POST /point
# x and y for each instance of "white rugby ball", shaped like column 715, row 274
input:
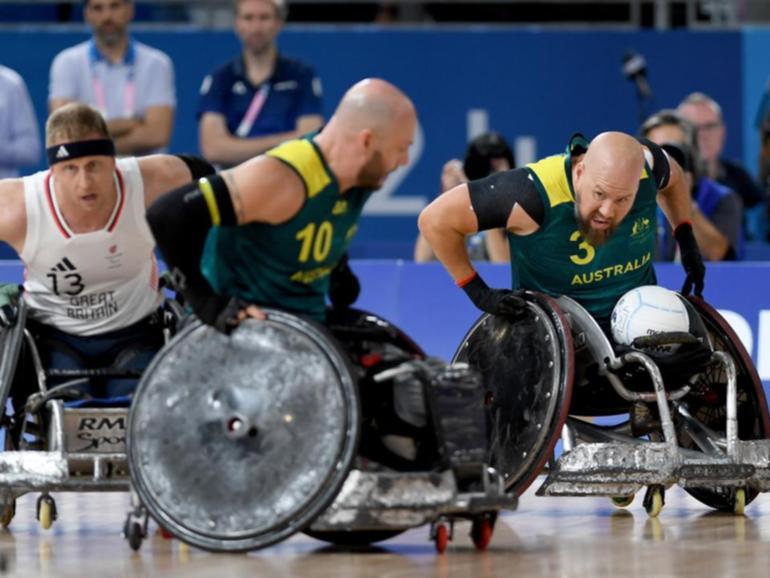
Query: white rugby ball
column 648, row 310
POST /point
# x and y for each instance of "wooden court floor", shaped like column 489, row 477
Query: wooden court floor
column 559, row 537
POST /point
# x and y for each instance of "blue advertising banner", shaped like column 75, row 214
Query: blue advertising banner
column 423, row 301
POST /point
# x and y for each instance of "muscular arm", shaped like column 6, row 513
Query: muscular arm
column 162, row 173
column 497, row 246
column 153, row 131
column 504, row 200
column 220, row 146
column 264, row 190
column 444, row 224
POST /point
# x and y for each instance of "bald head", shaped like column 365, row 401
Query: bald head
column 369, row 135
column 616, row 159
column 374, row 104
column 606, row 180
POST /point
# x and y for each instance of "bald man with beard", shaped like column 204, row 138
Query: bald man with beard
column 580, row 224
column 274, row 230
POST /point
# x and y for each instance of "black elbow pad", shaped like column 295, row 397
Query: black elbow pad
column 199, row 167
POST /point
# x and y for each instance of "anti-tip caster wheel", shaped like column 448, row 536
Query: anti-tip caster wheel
column 622, row 501
column 739, row 505
column 482, row 529
column 441, row 532
column 134, row 535
column 654, row 500
column 46, row 511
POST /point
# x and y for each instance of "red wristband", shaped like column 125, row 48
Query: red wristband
column 463, row 282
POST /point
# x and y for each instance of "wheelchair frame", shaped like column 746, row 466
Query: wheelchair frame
column 611, row 462
column 375, row 505
column 100, row 466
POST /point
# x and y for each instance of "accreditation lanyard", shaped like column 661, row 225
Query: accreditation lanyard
column 100, row 93
column 257, row 103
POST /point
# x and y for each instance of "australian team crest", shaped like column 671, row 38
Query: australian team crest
column 641, row 227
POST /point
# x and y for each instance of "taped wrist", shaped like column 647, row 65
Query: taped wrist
column 180, row 222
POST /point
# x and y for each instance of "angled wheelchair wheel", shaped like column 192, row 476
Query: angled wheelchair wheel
column 256, row 430
column 707, row 403
column 355, row 327
column 527, row 366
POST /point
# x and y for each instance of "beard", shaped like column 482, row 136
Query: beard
column 595, row 237
column 373, row 173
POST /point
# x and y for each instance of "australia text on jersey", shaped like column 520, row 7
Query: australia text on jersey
column 611, row 271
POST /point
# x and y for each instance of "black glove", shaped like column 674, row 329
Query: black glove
column 692, row 261
column 344, row 287
column 221, row 313
column 495, row 301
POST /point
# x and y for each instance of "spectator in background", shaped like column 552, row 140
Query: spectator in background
column 130, row 83
column 261, row 98
column 19, row 137
column 486, row 154
column 706, row 115
column 717, row 216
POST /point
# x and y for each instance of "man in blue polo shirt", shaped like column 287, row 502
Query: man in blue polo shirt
column 130, row 83
column 260, row 98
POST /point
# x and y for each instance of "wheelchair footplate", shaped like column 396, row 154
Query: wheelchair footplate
column 401, row 500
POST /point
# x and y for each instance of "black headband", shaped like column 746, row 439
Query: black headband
column 82, row 148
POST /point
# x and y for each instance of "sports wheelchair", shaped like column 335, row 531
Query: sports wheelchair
column 51, row 445
column 697, row 423
column 237, row 442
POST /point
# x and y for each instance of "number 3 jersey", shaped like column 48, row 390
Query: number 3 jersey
column 557, row 260
column 89, row 283
column 287, row 265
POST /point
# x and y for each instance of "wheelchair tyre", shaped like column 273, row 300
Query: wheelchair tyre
column 353, row 538
column 753, row 418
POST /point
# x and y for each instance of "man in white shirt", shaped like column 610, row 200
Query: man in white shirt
column 130, row 83
column 91, row 278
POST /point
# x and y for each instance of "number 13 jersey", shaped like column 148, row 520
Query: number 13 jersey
column 96, row 282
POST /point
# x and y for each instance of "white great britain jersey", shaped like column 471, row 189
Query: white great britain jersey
column 90, row 283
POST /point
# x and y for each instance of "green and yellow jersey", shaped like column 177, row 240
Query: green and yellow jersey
column 557, row 260
column 287, row 265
